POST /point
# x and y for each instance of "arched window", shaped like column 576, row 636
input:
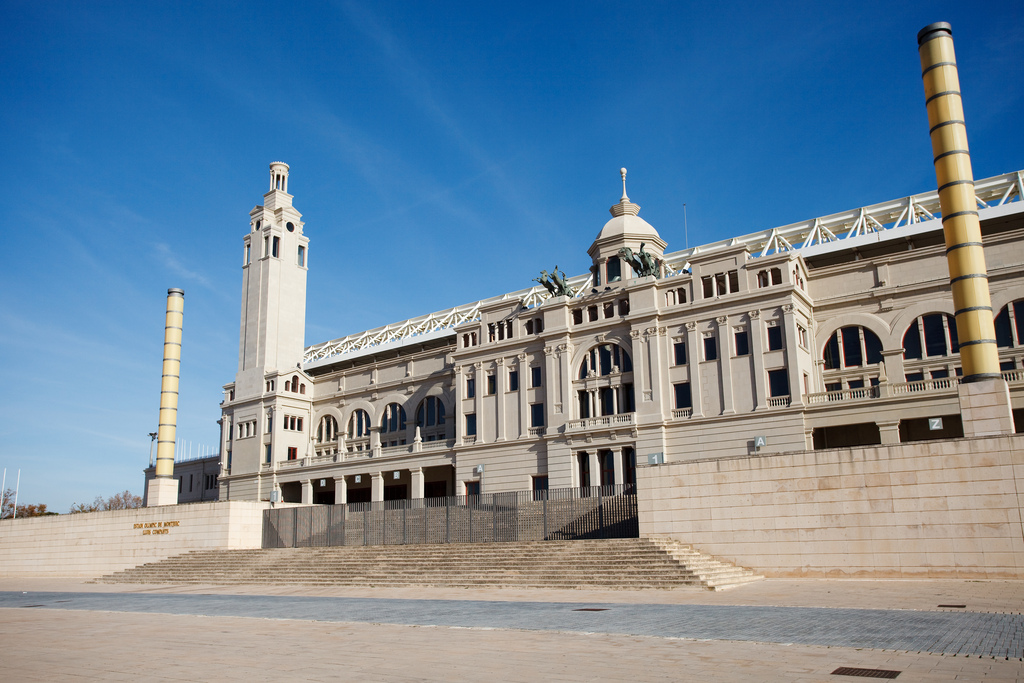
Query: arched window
column 359, row 425
column 295, row 382
column 603, row 358
column 430, row 419
column 327, row 430
column 393, row 419
column 1010, row 325
column 852, row 347
column 931, row 335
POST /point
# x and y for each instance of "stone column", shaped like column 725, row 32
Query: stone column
column 620, row 466
column 523, row 368
column 416, row 475
column 796, row 397
column 480, row 380
column 340, row 491
column 307, row 491
column 460, row 392
column 893, row 359
column 757, row 350
column 693, row 356
column 889, row 431
column 377, row 487
column 499, row 398
column 595, row 468
column 642, row 387
column 725, row 363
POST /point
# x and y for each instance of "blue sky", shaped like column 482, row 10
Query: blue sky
column 440, row 153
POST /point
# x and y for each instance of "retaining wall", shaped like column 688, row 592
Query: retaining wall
column 929, row 509
column 92, row 544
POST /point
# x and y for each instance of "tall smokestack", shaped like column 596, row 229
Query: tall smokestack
column 163, row 489
column 968, row 277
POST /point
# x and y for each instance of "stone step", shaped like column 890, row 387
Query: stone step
column 593, row 563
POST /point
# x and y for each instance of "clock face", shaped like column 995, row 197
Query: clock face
column 291, row 227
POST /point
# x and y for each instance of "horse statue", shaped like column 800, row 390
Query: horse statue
column 642, row 263
column 554, row 282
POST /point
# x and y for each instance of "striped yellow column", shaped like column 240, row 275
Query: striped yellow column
column 168, row 427
column 968, row 276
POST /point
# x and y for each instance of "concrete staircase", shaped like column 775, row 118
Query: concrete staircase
column 626, row 564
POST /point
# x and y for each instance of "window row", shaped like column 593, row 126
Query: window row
column 595, row 312
column 536, row 419
column 778, row 387
column 741, row 343
column 246, row 429
column 491, row 380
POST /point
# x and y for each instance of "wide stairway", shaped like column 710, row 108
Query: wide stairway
column 614, row 564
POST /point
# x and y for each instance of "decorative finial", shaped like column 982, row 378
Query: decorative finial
column 624, row 206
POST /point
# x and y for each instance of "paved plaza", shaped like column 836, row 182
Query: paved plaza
column 772, row 630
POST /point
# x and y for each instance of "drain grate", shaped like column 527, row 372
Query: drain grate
column 591, row 609
column 32, row 605
column 954, row 606
column 865, row 673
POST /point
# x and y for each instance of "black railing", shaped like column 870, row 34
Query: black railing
column 563, row 514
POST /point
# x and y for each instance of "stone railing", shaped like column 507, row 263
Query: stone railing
column 437, row 445
column 924, row 385
column 843, row 395
column 778, row 402
column 620, row 420
column 682, row 413
column 536, row 431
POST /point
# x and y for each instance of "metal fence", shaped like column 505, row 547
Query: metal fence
column 562, row 514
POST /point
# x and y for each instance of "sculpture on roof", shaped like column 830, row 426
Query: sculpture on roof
column 554, row 282
column 642, row 263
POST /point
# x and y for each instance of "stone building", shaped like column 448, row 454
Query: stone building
column 833, row 332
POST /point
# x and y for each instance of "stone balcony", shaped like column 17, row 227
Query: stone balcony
column 603, row 422
column 932, row 387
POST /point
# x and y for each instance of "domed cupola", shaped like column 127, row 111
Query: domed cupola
column 625, row 245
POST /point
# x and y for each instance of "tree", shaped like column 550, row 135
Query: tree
column 24, row 510
column 125, row 500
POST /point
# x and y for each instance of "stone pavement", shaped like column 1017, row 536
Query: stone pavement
column 772, row 630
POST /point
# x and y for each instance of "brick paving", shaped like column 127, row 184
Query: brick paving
column 771, row 631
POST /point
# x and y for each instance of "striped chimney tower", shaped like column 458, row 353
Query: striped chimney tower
column 968, row 276
column 163, row 488
column 984, row 395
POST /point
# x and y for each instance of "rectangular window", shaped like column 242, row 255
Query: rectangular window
column 592, row 313
column 537, row 415
column 267, row 454
column 277, row 246
column 266, row 245
column 540, row 486
column 472, row 488
column 577, row 316
column 682, row 391
column 778, row 383
column 293, row 453
column 529, row 327
column 774, row 338
column 470, row 424
column 535, row 379
column 710, row 348
column 609, row 309
column 492, row 385
column 623, row 307
column 802, row 332
column 270, row 424
column 734, row 281
column 513, row 380
column 742, row 345
column 299, row 428
column 470, row 387
column 914, row 376
column 709, row 286
column 302, row 256
column 679, row 352
column 248, row 250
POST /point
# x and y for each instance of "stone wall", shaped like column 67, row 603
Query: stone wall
column 927, row 509
column 96, row 543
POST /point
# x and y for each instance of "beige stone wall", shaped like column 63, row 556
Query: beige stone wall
column 928, row 509
column 96, row 543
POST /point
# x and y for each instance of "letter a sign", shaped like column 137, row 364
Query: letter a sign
column 760, row 441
